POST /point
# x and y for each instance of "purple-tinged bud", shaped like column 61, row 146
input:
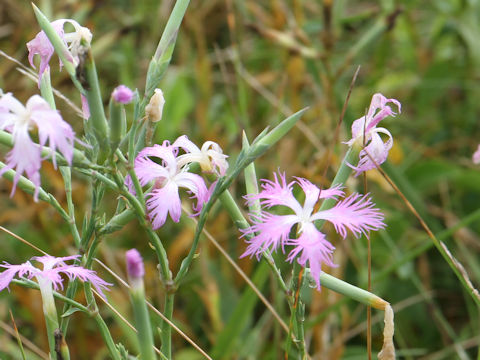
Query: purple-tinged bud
column 135, row 269
column 122, row 94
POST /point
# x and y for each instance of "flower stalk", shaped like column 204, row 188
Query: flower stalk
column 135, row 272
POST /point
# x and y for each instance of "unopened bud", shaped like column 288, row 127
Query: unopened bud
column 135, row 269
column 154, row 109
column 122, row 94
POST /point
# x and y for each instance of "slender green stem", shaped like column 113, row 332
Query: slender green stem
column 102, row 326
column 33, row 285
column 67, row 179
column 351, row 291
column 46, row 88
column 297, row 310
column 157, row 244
column 142, row 321
column 49, row 312
column 97, row 123
column 166, row 330
column 240, row 222
column 351, row 157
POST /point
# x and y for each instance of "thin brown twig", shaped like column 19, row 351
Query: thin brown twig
column 34, row 348
column 339, row 123
column 284, row 109
column 458, row 268
column 26, row 242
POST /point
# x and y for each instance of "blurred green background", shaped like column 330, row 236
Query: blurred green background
column 244, row 65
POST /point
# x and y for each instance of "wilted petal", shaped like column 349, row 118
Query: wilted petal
column 154, row 109
column 365, row 132
column 42, row 46
column 376, row 150
column 210, row 156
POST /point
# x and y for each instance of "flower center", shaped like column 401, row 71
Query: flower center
column 24, row 118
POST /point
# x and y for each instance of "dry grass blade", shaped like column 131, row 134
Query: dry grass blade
column 26, row 242
column 285, row 110
column 28, row 344
column 456, row 266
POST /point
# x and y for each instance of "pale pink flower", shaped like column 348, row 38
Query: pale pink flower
column 53, row 268
column 42, row 46
column 167, row 176
column 122, row 94
column 355, row 213
column 365, row 132
column 210, row 156
column 25, row 156
column 476, row 156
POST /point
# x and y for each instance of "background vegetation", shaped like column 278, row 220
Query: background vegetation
column 244, row 65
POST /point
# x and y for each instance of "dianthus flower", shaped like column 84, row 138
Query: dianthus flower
column 25, row 156
column 167, row 176
column 42, row 46
column 210, row 156
column 355, row 213
column 365, row 132
column 50, row 275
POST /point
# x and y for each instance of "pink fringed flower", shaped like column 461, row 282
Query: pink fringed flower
column 41, row 45
column 25, row 156
column 50, row 275
column 355, row 213
column 365, row 132
column 167, row 177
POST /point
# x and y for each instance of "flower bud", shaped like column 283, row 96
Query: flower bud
column 122, row 94
column 135, row 269
column 154, row 109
